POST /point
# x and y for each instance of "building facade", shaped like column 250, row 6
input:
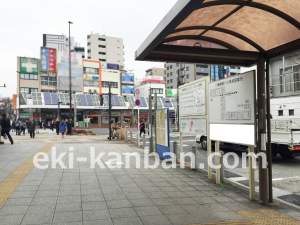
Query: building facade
column 218, row 72
column 91, row 76
column 188, row 72
column 59, row 42
column 106, row 49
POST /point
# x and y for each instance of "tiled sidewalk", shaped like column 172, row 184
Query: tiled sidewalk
column 121, row 196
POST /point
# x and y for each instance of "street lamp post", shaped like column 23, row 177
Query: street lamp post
column 58, row 111
column 70, row 77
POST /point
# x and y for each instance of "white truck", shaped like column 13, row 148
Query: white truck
column 285, row 139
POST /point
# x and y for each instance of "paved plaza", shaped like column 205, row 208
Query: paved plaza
column 82, row 195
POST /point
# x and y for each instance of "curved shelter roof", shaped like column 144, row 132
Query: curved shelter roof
column 231, row 32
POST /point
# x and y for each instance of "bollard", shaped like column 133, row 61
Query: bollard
column 129, row 128
column 131, row 139
column 120, row 134
column 222, row 174
column 134, row 129
column 194, row 151
column 175, row 151
column 144, row 140
column 126, row 136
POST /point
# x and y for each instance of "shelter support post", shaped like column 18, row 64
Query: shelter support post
column 270, row 172
column 261, row 95
column 217, row 162
column 209, row 153
column 150, row 122
column 251, row 173
column 155, row 108
column 181, row 142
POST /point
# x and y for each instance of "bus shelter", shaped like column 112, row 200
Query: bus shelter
column 230, row 32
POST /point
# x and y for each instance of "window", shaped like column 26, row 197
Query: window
column 102, row 53
column 49, row 81
column 102, row 60
column 27, row 76
column 29, row 90
column 156, row 90
column 171, row 74
column 201, row 66
column 168, row 74
column 280, row 112
column 168, row 82
column 187, row 76
column 171, row 67
column 187, row 68
column 101, row 46
column 171, row 81
column 101, row 39
column 167, row 68
column 177, row 64
column 291, row 79
column 90, row 70
column 113, row 84
column 291, row 112
column 91, row 83
column 171, row 87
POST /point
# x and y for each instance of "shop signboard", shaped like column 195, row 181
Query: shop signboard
column 172, row 92
column 48, row 60
column 29, row 65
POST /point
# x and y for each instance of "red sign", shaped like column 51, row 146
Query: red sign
column 52, row 60
column 137, row 91
column 144, row 116
column 36, row 115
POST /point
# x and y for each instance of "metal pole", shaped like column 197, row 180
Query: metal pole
column 175, row 144
column 270, row 175
column 138, row 128
column 58, row 111
column 109, row 110
column 178, row 82
column 283, row 75
column 144, row 140
column 222, row 172
column 150, row 122
column 194, row 151
column 126, row 136
column 131, row 138
column 70, row 72
column 155, row 108
column 75, row 115
column 261, row 95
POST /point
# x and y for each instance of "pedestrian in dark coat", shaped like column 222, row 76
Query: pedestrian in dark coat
column 6, row 127
column 57, row 126
column 31, row 127
column 52, row 125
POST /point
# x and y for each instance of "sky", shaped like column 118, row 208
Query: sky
column 23, row 23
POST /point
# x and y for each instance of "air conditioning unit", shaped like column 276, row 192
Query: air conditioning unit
column 90, row 90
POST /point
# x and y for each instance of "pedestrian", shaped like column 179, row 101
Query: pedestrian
column 62, row 128
column 44, row 124
column 52, row 125
column 13, row 126
column 142, row 128
column 66, row 121
column 69, row 124
column 57, row 126
column 18, row 127
column 27, row 122
column 6, row 127
column 39, row 125
column 31, row 127
column 23, row 127
column 4, row 136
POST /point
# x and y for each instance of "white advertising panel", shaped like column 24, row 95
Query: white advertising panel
column 193, row 126
column 192, row 100
column 232, row 104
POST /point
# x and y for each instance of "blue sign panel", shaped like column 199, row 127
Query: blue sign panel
column 113, row 66
column 44, row 59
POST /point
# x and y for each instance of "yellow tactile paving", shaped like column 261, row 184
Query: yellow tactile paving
column 268, row 217
column 13, row 180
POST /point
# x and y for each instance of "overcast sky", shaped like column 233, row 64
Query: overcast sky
column 23, row 24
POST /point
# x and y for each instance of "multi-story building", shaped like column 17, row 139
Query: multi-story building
column 106, row 49
column 219, row 72
column 59, row 42
column 91, row 76
column 79, row 49
column 188, row 72
column 110, row 74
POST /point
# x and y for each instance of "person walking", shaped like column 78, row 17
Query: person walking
column 52, row 125
column 13, row 126
column 31, row 127
column 23, row 127
column 142, row 128
column 69, row 125
column 62, row 128
column 57, row 126
column 6, row 127
column 18, row 127
column 39, row 125
column 44, row 124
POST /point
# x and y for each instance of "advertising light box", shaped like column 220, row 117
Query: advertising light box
column 29, row 65
column 48, row 59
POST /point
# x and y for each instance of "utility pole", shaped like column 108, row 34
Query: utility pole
column 70, row 77
column 155, row 108
column 109, row 110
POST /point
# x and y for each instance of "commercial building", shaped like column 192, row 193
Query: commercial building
column 155, row 84
column 59, row 42
column 91, row 77
column 161, row 72
column 110, row 74
column 188, row 72
column 106, row 49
